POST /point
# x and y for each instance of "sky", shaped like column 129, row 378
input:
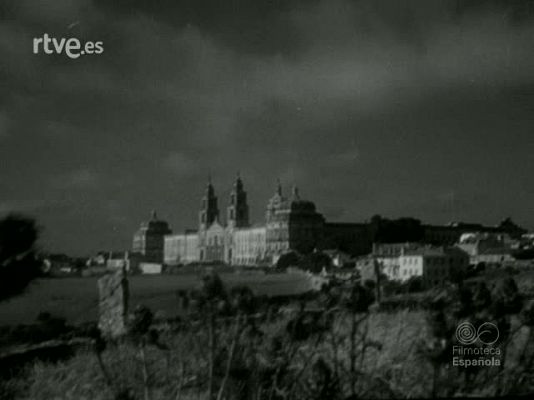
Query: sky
column 398, row 108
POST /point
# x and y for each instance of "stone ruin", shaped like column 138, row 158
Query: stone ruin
column 113, row 304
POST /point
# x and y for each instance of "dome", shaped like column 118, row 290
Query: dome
column 155, row 224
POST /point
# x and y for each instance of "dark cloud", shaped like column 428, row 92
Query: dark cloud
column 371, row 107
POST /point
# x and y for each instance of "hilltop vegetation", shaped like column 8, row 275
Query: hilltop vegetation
column 229, row 344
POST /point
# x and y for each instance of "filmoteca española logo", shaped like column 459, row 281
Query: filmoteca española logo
column 487, row 333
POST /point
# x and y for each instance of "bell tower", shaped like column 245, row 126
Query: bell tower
column 237, row 212
column 209, row 211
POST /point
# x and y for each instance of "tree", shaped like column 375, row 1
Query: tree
column 287, row 260
column 18, row 264
column 315, row 262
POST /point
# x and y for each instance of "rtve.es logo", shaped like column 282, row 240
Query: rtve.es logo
column 72, row 47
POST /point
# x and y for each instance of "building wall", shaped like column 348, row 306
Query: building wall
column 213, row 249
column 434, row 269
column 305, row 231
column 486, row 248
column 181, row 248
column 118, row 260
column 410, row 266
column 450, row 234
column 149, row 240
column 492, row 258
column 150, row 268
column 277, row 233
column 291, row 224
column 249, row 246
column 388, row 257
column 389, row 266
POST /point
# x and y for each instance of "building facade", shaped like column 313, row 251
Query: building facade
column 182, row 248
column 487, row 248
column 435, row 265
column 291, row 224
column 149, row 240
column 387, row 255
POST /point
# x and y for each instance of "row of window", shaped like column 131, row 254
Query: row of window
column 428, row 261
column 409, row 272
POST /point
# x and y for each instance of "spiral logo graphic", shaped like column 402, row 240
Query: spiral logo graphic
column 487, row 333
column 466, row 333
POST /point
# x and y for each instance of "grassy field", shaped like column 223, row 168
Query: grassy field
column 76, row 299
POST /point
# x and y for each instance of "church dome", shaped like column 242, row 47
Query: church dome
column 155, row 224
column 297, row 204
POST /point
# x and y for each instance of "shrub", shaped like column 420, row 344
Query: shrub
column 18, row 264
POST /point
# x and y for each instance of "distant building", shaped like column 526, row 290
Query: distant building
column 249, row 246
column 59, row 263
column 486, row 248
column 387, row 255
column 291, row 224
column 435, row 265
column 118, row 260
column 148, row 241
column 339, row 258
column 150, row 268
column 451, row 233
column 181, row 248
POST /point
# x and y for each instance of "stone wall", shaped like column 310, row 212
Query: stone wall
column 113, row 304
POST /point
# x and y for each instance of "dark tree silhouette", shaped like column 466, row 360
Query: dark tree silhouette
column 315, row 262
column 287, row 260
column 18, row 265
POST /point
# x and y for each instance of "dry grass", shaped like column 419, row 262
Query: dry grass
column 185, row 363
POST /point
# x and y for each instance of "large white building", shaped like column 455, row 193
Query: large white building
column 181, row 248
column 291, row 224
column 249, row 245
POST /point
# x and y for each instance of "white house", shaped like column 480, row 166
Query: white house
column 486, row 248
column 339, row 258
column 434, row 265
column 150, row 268
column 387, row 256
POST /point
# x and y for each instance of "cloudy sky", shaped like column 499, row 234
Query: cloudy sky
column 399, row 108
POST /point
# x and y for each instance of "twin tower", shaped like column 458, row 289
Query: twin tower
column 237, row 212
column 291, row 223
